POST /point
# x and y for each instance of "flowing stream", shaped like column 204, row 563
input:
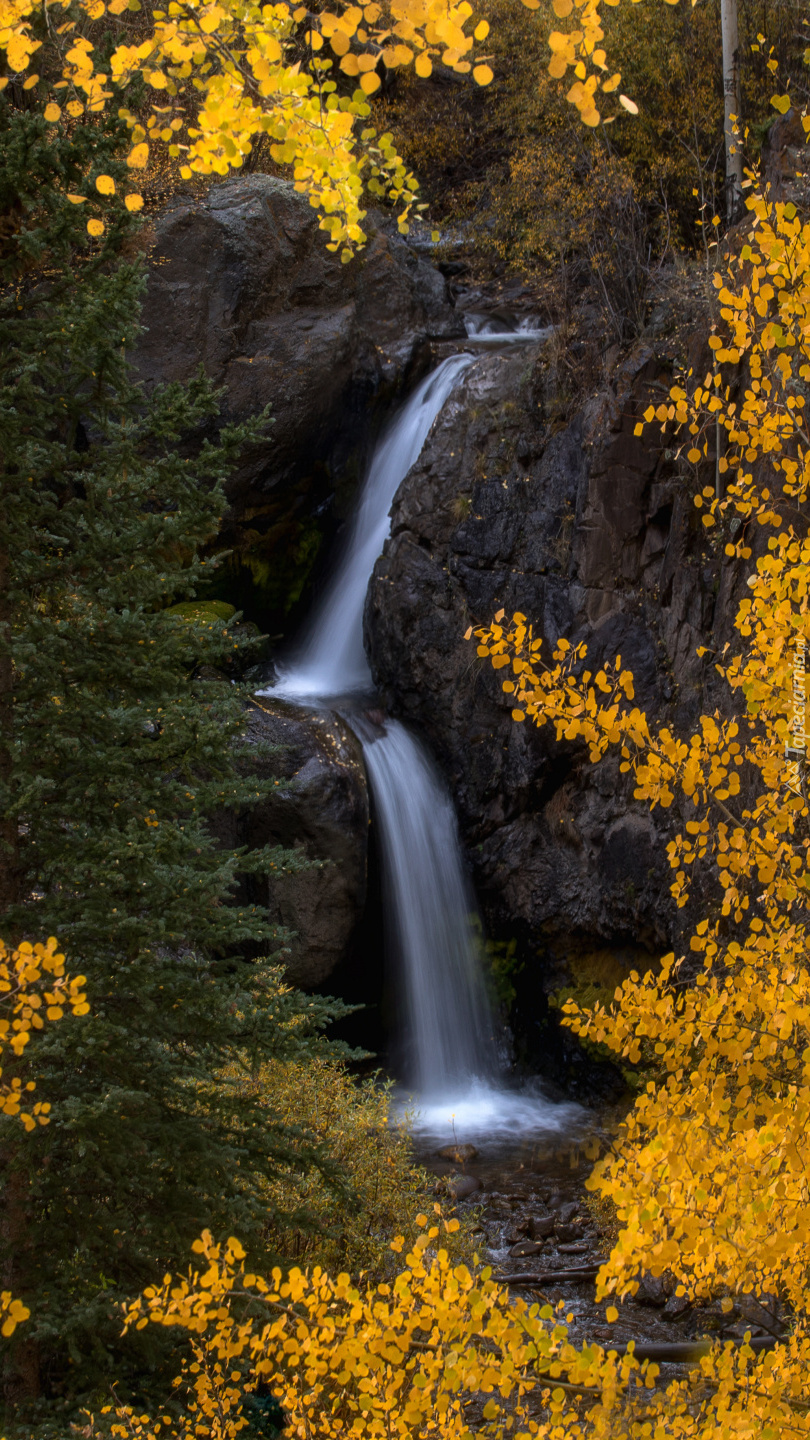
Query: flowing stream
column 449, row 1039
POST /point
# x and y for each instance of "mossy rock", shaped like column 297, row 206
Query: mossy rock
column 202, row 610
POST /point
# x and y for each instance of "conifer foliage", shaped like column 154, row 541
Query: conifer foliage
column 117, row 743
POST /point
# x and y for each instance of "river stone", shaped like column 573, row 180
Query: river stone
column 541, row 1226
column 459, row 1154
column 567, row 1211
column 568, row 1232
column 324, row 813
column 524, row 1248
column 462, row 1186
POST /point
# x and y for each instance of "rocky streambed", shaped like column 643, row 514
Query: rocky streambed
column 544, row 1235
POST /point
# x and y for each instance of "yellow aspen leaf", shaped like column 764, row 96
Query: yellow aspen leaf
column 105, row 185
column 423, row 65
column 628, row 104
column 53, row 113
column 563, row 8
column 481, row 30
column 77, row 199
column 482, row 74
column 95, row 227
column 134, row 203
column 368, row 84
column 138, row 156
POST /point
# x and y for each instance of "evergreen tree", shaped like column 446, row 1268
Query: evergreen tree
column 117, row 745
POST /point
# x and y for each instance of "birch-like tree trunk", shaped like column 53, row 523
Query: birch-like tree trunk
column 732, row 105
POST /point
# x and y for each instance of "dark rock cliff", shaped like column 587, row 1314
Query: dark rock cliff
column 240, row 282
column 523, row 499
column 591, row 532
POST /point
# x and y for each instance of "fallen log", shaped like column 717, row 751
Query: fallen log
column 681, row 1352
column 551, row 1277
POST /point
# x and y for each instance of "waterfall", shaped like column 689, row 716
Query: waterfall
column 331, row 659
column 429, row 907
column 449, row 1035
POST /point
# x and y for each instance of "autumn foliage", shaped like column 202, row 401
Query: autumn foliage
column 34, row 990
column 710, row 1173
column 221, row 76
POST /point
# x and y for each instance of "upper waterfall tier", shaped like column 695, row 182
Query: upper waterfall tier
column 330, row 659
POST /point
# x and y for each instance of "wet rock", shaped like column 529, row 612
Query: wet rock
column 567, row 1233
column 578, row 1247
column 461, row 1187
column 676, row 1306
column 653, row 1291
column 525, row 1248
column 240, row 282
column 323, row 813
column 459, row 1154
column 764, row 1315
column 541, row 1226
column 517, row 1232
column 568, row 1211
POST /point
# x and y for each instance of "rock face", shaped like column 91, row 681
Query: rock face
column 322, row 812
column 240, row 281
column 591, row 533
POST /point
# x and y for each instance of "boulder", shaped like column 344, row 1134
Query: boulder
column 240, row 282
column 461, row 1187
column 323, row 812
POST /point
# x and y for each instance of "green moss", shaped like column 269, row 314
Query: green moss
column 203, row 610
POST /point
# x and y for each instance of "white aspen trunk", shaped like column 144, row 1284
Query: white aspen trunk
column 732, row 104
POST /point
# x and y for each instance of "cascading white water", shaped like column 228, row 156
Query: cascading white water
column 331, row 659
column 494, row 330
column 430, row 907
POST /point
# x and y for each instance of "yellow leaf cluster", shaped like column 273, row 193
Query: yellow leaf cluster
column 227, row 74
column 34, row 988
column 404, row 1358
